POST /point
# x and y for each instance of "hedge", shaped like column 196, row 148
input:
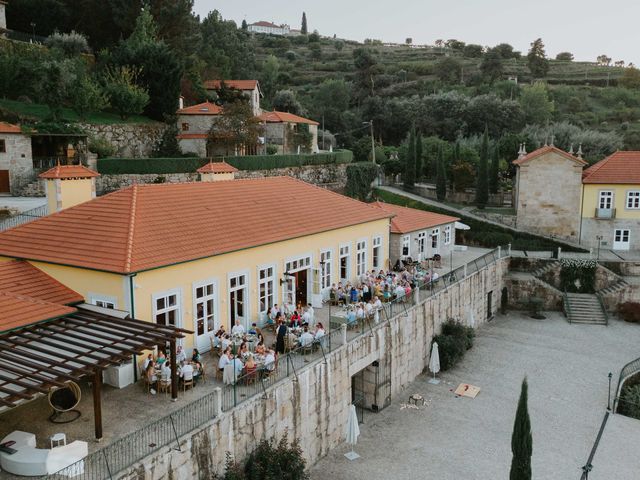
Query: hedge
column 190, row 165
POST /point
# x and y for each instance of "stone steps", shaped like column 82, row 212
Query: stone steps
column 584, row 308
column 545, row 268
column 614, row 287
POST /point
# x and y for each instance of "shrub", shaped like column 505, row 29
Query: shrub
column 456, row 329
column 272, row 149
column 630, row 312
column 451, row 350
column 630, row 401
column 578, row 276
column 71, row 44
column 360, row 176
column 101, row 147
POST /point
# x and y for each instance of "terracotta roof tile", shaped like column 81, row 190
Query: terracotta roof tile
column 134, row 229
column 621, row 167
column 237, row 84
column 22, row 278
column 9, row 128
column 69, row 171
column 217, row 167
column 206, row 108
column 280, row 117
column 263, row 23
column 410, row 219
column 19, row 311
column 541, row 151
column 191, row 136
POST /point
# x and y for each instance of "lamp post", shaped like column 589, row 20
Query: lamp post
column 599, row 238
column 609, row 395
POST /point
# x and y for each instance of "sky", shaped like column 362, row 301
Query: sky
column 586, row 28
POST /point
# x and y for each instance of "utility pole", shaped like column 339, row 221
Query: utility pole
column 323, row 131
column 373, row 144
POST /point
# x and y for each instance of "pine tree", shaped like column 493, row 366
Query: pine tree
column 409, row 177
column 537, row 59
column 521, row 441
column 493, row 172
column 303, row 28
column 441, row 176
column 482, row 188
column 244, row 24
column 419, row 164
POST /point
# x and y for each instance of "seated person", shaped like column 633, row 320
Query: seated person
column 435, row 277
column 186, row 372
column 319, row 331
column 165, row 372
column 237, row 329
column 399, row 291
column 243, row 350
column 252, row 330
column 351, row 316
column 260, row 350
column 360, row 312
column 295, row 320
column 237, row 366
column 161, row 358
column 225, row 342
column 225, row 358
column 306, row 338
column 181, row 356
column 195, row 358
column 270, row 361
column 147, row 361
column 250, row 365
column 150, row 375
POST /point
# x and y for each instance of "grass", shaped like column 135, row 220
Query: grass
column 500, row 211
column 41, row 112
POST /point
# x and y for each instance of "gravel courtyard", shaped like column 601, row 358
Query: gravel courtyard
column 463, row 438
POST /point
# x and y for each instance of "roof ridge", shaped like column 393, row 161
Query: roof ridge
column 132, row 224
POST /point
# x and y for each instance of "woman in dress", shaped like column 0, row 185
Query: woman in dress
column 295, row 320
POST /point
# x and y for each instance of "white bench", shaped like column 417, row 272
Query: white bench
column 30, row 461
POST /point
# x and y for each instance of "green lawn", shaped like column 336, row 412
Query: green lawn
column 41, row 112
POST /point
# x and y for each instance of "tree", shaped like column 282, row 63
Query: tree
column 537, row 59
column 448, row 70
column 491, row 66
column 441, row 177
column 236, row 128
column 366, row 63
column 472, row 51
column 58, row 78
column 604, row 60
column 419, row 164
column 87, row 96
column 494, row 171
column 125, row 95
column 331, row 101
column 454, row 44
column 630, row 78
column 505, row 51
column 536, row 104
column 303, row 27
column 482, row 188
column 269, row 76
column 565, row 56
column 408, row 41
column 409, row 176
column 521, row 440
column 286, row 101
column 70, row 44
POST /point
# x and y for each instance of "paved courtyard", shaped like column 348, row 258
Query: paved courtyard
column 462, row 438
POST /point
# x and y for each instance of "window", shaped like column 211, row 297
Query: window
column 185, row 127
column 104, row 303
column 447, row 235
column 205, row 296
column 361, row 257
column 345, row 262
column 621, row 236
column 422, row 236
column 325, row 269
column 633, row 199
column 298, row 264
column 435, row 238
column 406, row 246
column 605, row 200
column 166, row 309
column 377, row 253
column 266, row 288
column 237, row 295
column 3, row 146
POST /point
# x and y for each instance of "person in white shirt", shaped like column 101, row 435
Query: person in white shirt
column 360, row 312
column 377, row 306
column 237, row 366
column 306, row 317
column 306, row 338
column 399, row 291
column 224, row 359
column 319, row 331
column 237, row 329
column 435, row 277
column 270, row 361
column 368, row 308
column 312, row 314
column 225, row 343
column 165, row 372
column 186, row 372
column 146, row 362
column 180, row 355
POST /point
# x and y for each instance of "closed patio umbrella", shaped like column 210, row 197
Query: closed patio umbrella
column 352, row 432
column 434, row 363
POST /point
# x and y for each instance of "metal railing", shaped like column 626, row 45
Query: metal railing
column 604, row 308
column 567, row 305
column 24, row 217
column 589, row 466
column 627, row 371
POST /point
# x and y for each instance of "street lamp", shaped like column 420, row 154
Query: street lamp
column 599, row 238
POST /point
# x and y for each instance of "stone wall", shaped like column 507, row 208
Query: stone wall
column 17, row 159
column 329, row 176
column 521, row 287
column 594, row 227
column 314, row 407
column 130, row 139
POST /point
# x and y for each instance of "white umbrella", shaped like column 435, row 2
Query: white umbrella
column 434, row 363
column 352, row 431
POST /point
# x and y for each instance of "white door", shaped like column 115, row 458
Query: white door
column 289, row 292
column 621, row 239
column 206, row 320
column 238, row 301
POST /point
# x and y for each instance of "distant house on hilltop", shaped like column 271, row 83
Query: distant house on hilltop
column 269, row 27
column 3, row 16
column 250, row 88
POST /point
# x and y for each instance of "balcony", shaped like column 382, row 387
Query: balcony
column 605, row 213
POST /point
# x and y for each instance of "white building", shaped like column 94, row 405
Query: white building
column 268, row 27
column 3, row 16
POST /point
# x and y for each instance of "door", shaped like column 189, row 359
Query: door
column 4, row 181
column 237, row 301
column 621, row 239
column 205, row 322
column 301, row 287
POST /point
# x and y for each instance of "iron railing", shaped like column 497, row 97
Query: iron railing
column 567, row 305
column 604, row 308
column 24, row 217
column 627, row 371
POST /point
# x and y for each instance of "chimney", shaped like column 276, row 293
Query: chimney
column 69, row 185
column 571, row 150
column 579, row 153
column 180, row 102
column 216, row 171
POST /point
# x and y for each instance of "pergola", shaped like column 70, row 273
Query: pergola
column 35, row 358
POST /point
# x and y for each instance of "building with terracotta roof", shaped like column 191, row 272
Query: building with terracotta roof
column 418, row 234
column 288, row 132
column 611, row 203
column 194, row 123
column 249, row 88
column 216, row 171
column 269, row 28
column 15, row 157
column 547, row 192
column 68, row 185
column 203, row 254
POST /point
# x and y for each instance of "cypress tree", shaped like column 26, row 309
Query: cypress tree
column 303, row 27
column 419, row 164
column 482, row 188
column 409, row 176
column 244, row 24
column 493, row 171
column 521, row 441
column 441, row 176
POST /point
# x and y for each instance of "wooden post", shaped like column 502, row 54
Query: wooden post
column 174, row 370
column 97, row 402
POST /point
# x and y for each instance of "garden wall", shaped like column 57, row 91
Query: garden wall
column 129, row 139
column 314, row 407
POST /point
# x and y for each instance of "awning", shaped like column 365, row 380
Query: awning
column 462, row 226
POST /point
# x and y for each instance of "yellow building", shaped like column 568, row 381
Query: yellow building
column 197, row 255
column 610, row 210
column 68, row 185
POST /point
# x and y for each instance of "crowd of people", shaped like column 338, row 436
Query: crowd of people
column 157, row 371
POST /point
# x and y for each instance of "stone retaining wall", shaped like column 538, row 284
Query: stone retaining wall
column 131, row 140
column 314, row 407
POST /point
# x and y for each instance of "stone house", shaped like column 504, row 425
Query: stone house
column 418, row 234
column 547, row 192
column 281, row 129
column 16, row 164
column 611, row 203
column 194, row 123
column 249, row 88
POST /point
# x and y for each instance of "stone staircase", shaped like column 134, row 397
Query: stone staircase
column 585, row 308
column 614, row 287
column 547, row 267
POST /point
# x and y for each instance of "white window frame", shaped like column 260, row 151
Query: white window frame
column 215, row 296
column 623, row 232
column 406, row 243
column 272, row 279
column 604, row 197
column 103, row 301
column 361, row 256
column 326, row 269
column 246, row 300
column 177, row 307
column 298, row 263
column 422, row 244
column 376, row 253
column 633, row 200
column 447, row 235
column 435, row 234
column 345, row 252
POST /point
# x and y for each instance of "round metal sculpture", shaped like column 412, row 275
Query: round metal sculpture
column 63, row 401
